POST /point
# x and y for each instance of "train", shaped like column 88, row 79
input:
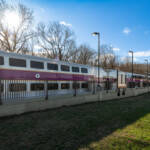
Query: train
column 26, row 76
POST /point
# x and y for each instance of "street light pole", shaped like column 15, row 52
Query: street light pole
column 147, row 71
column 99, row 60
column 132, row 65
column 98, row 34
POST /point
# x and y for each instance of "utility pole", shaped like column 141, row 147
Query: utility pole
column 132, row 66
column 147, row 72
column 98, row 35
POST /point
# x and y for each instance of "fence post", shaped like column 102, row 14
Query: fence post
column 75, row 88
column 117, row 79
column 0, row 93
column 93, row 87
column 118, row 89
column 46, row 90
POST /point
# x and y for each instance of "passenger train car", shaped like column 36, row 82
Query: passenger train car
column 30, row 76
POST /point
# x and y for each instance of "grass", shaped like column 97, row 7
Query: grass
column 113, row 125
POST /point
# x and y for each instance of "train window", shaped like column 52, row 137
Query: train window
column 37, row 86
column 1, row 87
column 17, row 87
column 75, row 69
column 84, row 70
column 65, row 68
column 52, row 66
column 37, row 64
column 65, row 86
column 84, row 85
column 76, row 85
column 17, row 62
column 1, row 60
column 52, row 86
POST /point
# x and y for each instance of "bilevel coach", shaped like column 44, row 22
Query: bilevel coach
column 26, row 77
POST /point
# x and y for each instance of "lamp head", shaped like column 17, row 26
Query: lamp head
column 130, row 51
column 95, row 33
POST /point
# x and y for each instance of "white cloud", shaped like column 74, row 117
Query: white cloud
column 142, row 54
column 135, row 59
column 126, row 59
column 126, row 31
column 65, row 23
column 123, row 58
column 116, row 49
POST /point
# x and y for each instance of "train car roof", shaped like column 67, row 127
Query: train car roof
column 129, row 73
column 40, row 58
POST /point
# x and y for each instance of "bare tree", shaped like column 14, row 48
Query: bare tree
column 56, row 40
column 73, row 55
column 84, row 54
column 33, row 48
column 15, row 25
column 108, row 61
column 108, row 58
column 126, row 65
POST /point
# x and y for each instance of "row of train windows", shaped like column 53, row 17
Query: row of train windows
column 40, row 65
column 16, row 87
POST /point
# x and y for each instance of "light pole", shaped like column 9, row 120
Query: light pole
column 98, row 35
column 147, row 71
column 132, row 66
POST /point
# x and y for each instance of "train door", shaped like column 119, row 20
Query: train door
column 121, row 83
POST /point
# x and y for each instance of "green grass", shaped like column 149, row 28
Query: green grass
column 113, row 125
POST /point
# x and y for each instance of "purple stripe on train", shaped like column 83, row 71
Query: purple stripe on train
column 32, row 75
column 135, row 80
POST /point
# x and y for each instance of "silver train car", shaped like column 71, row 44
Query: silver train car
column 25, row 76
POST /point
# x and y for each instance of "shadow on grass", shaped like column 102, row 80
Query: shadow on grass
column 71, row 128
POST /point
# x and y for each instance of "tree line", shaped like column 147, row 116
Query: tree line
column 53, row 40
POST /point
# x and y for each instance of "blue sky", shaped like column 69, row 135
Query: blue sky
column 124, row 24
